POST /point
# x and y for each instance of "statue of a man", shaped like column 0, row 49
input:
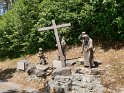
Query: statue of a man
column 87, row 46
column 42, row 58
column 81, row 39
column 63, row 46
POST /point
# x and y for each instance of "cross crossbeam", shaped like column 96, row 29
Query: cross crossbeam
column 52, row 27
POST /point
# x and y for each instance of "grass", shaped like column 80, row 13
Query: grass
column 112, row 62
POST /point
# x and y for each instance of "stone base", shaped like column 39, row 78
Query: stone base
column 58, row 64
column 22, row 65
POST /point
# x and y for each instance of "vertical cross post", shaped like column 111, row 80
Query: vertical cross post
column 62, row 58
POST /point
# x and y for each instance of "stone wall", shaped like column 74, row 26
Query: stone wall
column 80, row 80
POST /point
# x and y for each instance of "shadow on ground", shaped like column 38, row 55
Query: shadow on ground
column 116, row 46
column 7, row 73
column 24, row 91
column 96, row 63
column 14, row 91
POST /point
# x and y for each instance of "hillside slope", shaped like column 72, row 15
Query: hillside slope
column 112, row 62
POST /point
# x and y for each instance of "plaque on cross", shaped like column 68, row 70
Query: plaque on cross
column 54, row 26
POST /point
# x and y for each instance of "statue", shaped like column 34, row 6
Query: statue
column 42, row 58
column 87, row 47
column 63, row 46
column 81, row 39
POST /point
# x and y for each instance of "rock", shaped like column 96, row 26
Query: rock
column 39, row 70
column 60, row 90
column 86, row 78
column 62, row 78
column 31, row 70
column 33, row 77
column 74, row 91
column 99, row 88
column 82, row 81
column 66, row 71
column 96, row 71
column 40, row 73
column 77, row 77
column 42, row 67
column 83, row 85
column 90, row 86
column 81, row 70
column 36, row 73
column 70, row 62
column 61, row 83
column 76, row 83
column 81, row 60
column 78, row 88
column 96, row 80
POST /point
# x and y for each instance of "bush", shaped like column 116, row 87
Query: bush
column 103, row 20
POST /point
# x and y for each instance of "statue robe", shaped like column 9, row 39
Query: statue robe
column 88, row 54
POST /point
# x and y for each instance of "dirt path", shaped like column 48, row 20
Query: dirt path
column 10, row 87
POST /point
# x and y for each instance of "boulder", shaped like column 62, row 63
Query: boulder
column 70, row 62
column 66, row 71
column 81, row 70
column 97, row 71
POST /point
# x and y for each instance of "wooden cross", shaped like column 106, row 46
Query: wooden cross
column 54, row 26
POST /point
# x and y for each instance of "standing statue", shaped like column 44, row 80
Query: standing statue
column 63, row 46
column 42, row 58
column 87, row 47
column 81, row 39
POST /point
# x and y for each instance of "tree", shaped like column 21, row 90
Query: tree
column 103, row 20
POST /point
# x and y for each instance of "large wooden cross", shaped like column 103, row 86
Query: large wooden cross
column 54, row 26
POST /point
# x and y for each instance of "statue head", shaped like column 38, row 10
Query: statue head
column 83, row 33
column 40, row 49
column 85, row 38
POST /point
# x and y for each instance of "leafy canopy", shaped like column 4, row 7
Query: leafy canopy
column 103, row 20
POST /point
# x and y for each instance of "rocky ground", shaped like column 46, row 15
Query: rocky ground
column 112, row 61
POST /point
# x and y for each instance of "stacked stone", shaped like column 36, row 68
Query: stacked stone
column 62, row 81
column 82, row 80
column 86, row 81
column 61, row 84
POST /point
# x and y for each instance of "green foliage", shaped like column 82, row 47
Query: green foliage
column 101, row 19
